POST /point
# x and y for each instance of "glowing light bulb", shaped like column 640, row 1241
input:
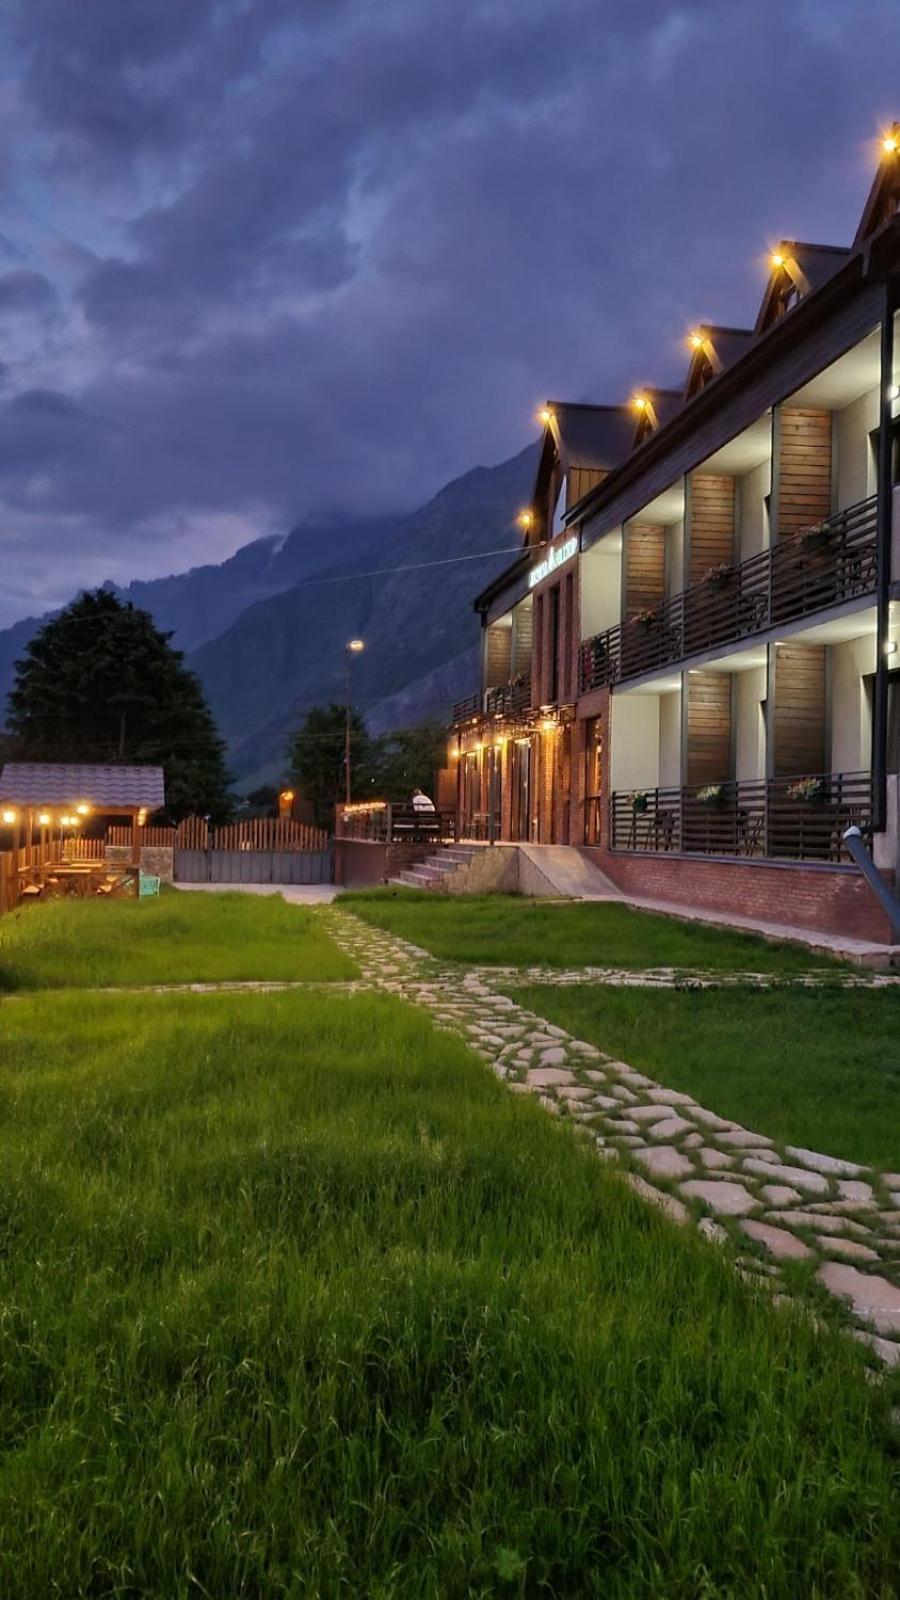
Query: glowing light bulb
column 696, row 341
column 545, row 416
column 640, row 402
column 777, row 259
column 526, row 519
column 890, row 144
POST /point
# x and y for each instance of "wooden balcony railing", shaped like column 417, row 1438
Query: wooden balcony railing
column 505, row 700
column 761, row 818
column 825, row 565
column 379, row 822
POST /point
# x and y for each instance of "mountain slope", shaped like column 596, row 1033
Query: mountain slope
column 200, row 604
column 286, row 654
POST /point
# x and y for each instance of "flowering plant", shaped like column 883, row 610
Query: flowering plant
column 720, row 575
column 639, row 800
column 646, row 618
column 806, row 789
column 711, row 794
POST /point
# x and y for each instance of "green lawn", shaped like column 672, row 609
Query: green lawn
column 509, row 930
column 177, row 938
column 814, row 1068
column 298, row 1301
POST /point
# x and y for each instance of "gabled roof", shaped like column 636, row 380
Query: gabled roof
column 596, row 437
column 665, row 403
column 805, row 268
column 49, row 783
column 884, row 196
column 721, row 347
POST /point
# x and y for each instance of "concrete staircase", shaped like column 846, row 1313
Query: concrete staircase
column 430, row 873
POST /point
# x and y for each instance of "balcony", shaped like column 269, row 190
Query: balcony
column 765, row 818
column 824, row 566
column 511, row 699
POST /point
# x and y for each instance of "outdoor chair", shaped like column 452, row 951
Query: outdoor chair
column 149, row 884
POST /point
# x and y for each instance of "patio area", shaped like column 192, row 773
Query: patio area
column 47, row 808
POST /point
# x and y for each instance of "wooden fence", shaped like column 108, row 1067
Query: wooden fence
column 256, row 833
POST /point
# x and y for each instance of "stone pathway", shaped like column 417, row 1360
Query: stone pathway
column 779, row 1204
column 684, row 978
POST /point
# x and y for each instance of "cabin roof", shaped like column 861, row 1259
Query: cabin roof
column 48, row 783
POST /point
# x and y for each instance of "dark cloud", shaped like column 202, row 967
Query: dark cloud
column 331, row 255
column 23, row 290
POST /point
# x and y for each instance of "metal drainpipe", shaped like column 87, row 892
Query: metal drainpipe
column 883, row 565
column 854, row 841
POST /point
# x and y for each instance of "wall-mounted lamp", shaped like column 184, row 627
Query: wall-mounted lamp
column 9, row 816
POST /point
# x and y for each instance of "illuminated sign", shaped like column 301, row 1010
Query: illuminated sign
column 556, row 558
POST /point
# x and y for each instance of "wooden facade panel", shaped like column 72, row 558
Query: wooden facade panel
column 711, row 536
column 799, row 712
column 580, row 481
column 708, row 727
column 497, row 656
column 522, row 631
column 804, row 468
column 645, row 567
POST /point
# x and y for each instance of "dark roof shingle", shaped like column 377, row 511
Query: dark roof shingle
column 48, row 783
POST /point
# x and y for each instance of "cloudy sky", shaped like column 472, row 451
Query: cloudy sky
column 264, row 258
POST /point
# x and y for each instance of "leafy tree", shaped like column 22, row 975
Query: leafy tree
column 317, row 760
column 408, row 759
column 101, row 683
column 264, row 799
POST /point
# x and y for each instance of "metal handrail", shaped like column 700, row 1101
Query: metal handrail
column 752, row 818
column 825, row 564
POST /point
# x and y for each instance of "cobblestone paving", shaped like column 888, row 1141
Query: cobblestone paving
column 684, row 978
column 778, row 1204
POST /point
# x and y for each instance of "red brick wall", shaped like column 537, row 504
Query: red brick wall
column 827, row 899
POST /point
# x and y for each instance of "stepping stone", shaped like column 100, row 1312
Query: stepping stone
column 595, row 1076
column 709, row 1119
column 623, row 1094
column 745, row 1140
column 549, row 1104
column 726, row 1198
column 657, row 1197
column 671, row 1128
column 693, row 1141
column 651, row 1113
column 872, row 1298
column 778, row 1194
column 827, row 1164
column 715, row 1160
column 860, row 1194
column 798, row 1177
column 575, row 1093
column 713, row 1231
column 554, row 1057
column 545, row 1077
column 851, row 1249
column 606, row 1102
column 782, row 1245
column 622, row 1125
column 885, row 1349
column 823, row 1221
column 664, row 1161
column 672, row 1097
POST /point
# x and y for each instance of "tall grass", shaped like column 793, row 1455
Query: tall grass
column 296, row 1300
column 509, row 930
column 819, row 1068
column 177, row 938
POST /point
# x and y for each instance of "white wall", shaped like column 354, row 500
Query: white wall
column 670, row 740
column 753, row 520
column 675, row 559
column 634, row 723
column 855, row 458
column 601, row 586
column 749, row 724
column 851, row 715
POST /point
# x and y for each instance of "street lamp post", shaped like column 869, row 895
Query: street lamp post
column 352, row 648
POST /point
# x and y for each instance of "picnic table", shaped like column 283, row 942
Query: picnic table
column 79, row 880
